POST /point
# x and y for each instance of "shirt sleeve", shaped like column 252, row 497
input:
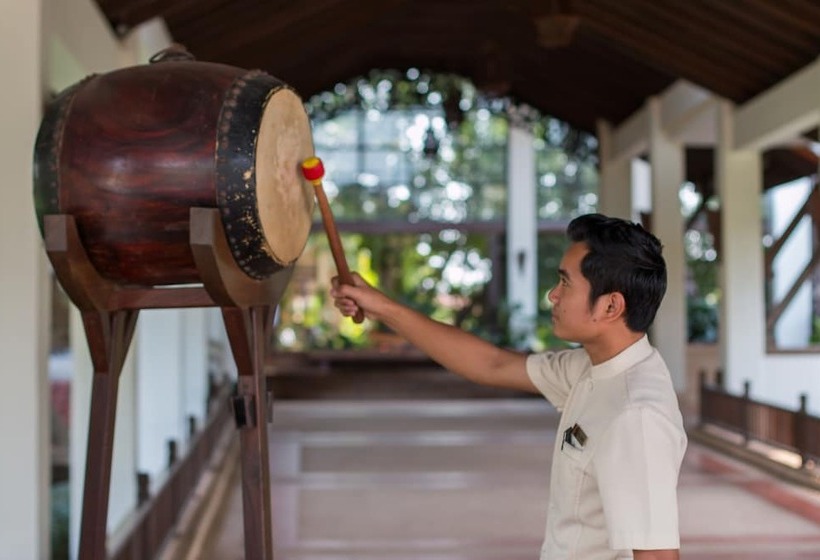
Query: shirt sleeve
column 555, row 373
column 637, row 465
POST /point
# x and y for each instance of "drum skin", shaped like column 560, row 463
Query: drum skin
column 130, row 152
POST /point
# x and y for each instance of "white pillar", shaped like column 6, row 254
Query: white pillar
column 739, row 180
column 24, row 299
column 80, row 405
column 615, row 177
column 159, row 389
column 522, row 231
column 195, row 364
column 668, row 174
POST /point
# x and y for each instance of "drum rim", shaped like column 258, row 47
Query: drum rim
column 235, row 153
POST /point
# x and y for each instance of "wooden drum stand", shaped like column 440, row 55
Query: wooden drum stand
column 109, row 313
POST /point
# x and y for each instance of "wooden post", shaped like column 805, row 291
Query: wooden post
column 800, row 432
column 173, row 454
column 703, row 399
column 191, row 427
column 109, row 335
column 143, row 484
column 248, row 331
column 744, row 412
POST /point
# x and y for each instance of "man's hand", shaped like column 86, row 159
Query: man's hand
column 656, row 554
column 350, row 299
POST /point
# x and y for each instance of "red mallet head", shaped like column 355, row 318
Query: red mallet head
column 313, row 170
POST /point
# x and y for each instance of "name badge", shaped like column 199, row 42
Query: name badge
column 574, row 436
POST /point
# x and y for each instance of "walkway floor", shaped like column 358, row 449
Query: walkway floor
column 468, row 480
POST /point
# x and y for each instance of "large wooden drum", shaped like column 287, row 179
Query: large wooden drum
column 129, row 153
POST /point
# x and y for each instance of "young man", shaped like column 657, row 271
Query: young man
column 613, row 487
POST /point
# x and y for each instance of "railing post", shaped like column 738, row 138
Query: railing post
column 172, row 452
column 143, row 484
column 702, row 398
column 744, row 411
column 191, row 426
column 800, row 421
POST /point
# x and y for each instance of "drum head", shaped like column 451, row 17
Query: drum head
column 285, row 199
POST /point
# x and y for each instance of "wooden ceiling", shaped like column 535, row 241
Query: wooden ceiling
column 621, row 51
column 577, row 60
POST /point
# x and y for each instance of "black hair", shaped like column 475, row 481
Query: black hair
column 623, row 257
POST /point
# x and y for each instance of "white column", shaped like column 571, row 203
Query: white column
column 668, row 173
column 122, row 498
column 24, row 298
column 522, row 231
column 220, row 356
column 739, row 180
column 145, row 40
column 615, row 177
column 194, row 364
column 80, row 405
column 159, row 388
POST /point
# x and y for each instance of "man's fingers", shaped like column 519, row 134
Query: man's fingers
column 347, row 307
column 341, row 293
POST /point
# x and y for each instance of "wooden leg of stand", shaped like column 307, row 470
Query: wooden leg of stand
column 247, row 331
column 109, row 335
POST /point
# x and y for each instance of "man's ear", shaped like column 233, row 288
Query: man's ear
column 614, row 306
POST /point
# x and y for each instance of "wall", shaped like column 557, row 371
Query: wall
column 76, row 42
column 24, row 299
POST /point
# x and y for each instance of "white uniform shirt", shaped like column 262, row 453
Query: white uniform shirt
column 613, row 485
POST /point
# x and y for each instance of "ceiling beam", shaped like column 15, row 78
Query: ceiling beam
column 781, row 113
column 683, row 109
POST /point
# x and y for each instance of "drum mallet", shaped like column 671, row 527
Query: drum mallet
column 314, row 171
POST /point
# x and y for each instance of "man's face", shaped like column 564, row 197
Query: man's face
column 572, row 317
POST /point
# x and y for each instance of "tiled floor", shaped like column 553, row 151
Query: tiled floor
column 468, row 480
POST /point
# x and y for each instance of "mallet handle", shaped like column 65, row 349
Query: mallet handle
column 314, row 172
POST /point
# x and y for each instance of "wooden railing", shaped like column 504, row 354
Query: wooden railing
column 154, row 519
column 794, row 430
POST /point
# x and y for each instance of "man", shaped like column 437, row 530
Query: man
column 613, row 487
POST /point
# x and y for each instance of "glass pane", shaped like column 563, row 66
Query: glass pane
column 341, row 131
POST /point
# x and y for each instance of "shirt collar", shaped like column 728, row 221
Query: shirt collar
column 628, row 357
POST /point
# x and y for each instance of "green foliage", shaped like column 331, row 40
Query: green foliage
column 418, row 146
column 702, row 320
column 814, row 337
column 60, row 507
column 703, row 294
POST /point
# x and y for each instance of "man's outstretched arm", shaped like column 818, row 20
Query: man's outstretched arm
column 458, row 351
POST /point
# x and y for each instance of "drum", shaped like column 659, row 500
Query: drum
column 130, row 152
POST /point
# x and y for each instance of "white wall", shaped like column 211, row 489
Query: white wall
column 76, row 42
column 787, row 377
column 24, row 298
column 159, row 388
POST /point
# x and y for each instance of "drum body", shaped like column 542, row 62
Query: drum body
column 129, row 153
